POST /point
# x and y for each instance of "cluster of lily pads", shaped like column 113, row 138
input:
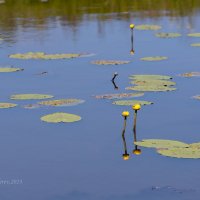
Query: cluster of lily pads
column 172, row 148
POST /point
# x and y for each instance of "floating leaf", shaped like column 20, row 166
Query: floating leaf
column 194, row 34
column 131, row 102
column 150, row 88
column 148, row 27
column 158, row 143
column 42, row 55
column 110, row 62
column 119, row 96
column 180, row 152
column 30, row 96
column 32, row 106
column 7, row 105
column 9, row 69
column 60, row 117
column 62, row 102
column 195, row 45
column 190, row 74
column 168, row 35
column 147, row 76
column 195, row 145
column 155, row 82
column 155, row 58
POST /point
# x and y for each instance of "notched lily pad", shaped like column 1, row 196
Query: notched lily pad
column 194, row 34
column 131, row 102
column 42, row 55
column 62, row 102
column 60, row 117
column 7, row 105
column 150, row 88
column 10, row 69
column 158, row 143
column 30, row 96
column 190, row 74
column 109, row 62
column 155, row 58
column 119, row 96
column 168, row 35
column 180, row 152
column 195, row 45
column 148, row 27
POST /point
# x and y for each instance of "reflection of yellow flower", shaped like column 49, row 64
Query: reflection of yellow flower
column 137, row 151
column 132, row 52
column 126, row 156
column 125, row 114
column 136, row 106
column 132, row 26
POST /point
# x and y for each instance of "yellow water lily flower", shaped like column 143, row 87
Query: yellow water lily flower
column 125, row 113
column 136, row 106
column 132, row 26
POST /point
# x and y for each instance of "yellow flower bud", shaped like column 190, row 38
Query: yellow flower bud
column 136, row 106
column 125, row 114
column 132, row 26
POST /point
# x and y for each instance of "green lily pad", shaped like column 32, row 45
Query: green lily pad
column 62, row 102
column 60, row 117
column 146, row 76
column 42, row 55
column 195, row 45
column 10, row 69
column 119, row 96
column 7, row 105
column 150, row 88
column 148, row 27
column 152, row 82
column 155, row 58
column 194, row 34
column 110, row 62
column 131, row 102
column 168, row 35
column 190, row 74
column 158, row 143
column 30, row 96
column 180, row 152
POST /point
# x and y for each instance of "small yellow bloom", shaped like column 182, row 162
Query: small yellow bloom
column 125, row 114
column 136, row 106
column 132, row 26
column 126, row 156
column 137, row 151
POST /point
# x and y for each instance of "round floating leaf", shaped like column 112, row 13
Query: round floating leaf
column 194, row 34
column 110, row 62
column 119, row 96
column 42, row 55
column 190, row 74
column 195, row 45
column 155, row 58
column 153, row 82
column 62, row 102
column 168, row 35
column 146, row 76
column 7, row 105
column 158, row 143
column 60, row 117
column 148, row 27
column 180, row 152
column 131, row 102
column 9, row 69
column 30, row 96
column 150, row 88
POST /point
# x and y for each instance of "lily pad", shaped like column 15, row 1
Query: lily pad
column 30, row 96
column 195, row 145
column 180, row 152
column 131, row 102
column 42, row 55
column 190, row 74
column 153, row 82
column 119, row 96
column 60, row 117
column 168, row 35
column 148, row 27
column 158, row 143
column 32, row 106
column 62, row 102
column 155, row 58
column 7, row 105
column 194, row 34
column 110, row 62
column 195, row 45
column 150, row 88
column 147, row 76
column 10, row 69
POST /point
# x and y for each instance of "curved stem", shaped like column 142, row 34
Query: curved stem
column 123, row 136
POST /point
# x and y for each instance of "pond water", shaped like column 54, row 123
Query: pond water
column 83, row 160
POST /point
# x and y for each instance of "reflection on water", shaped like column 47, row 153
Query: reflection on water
column 132, row 51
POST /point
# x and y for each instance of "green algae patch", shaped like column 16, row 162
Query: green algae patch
column 60, row 117
column 131, row 102
column 7, row 105
column 110, row 62
column 154, row 58
column 148, row 27
column 168, row 35
column 62, row 102
column 30, row 96
column 118, row 96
